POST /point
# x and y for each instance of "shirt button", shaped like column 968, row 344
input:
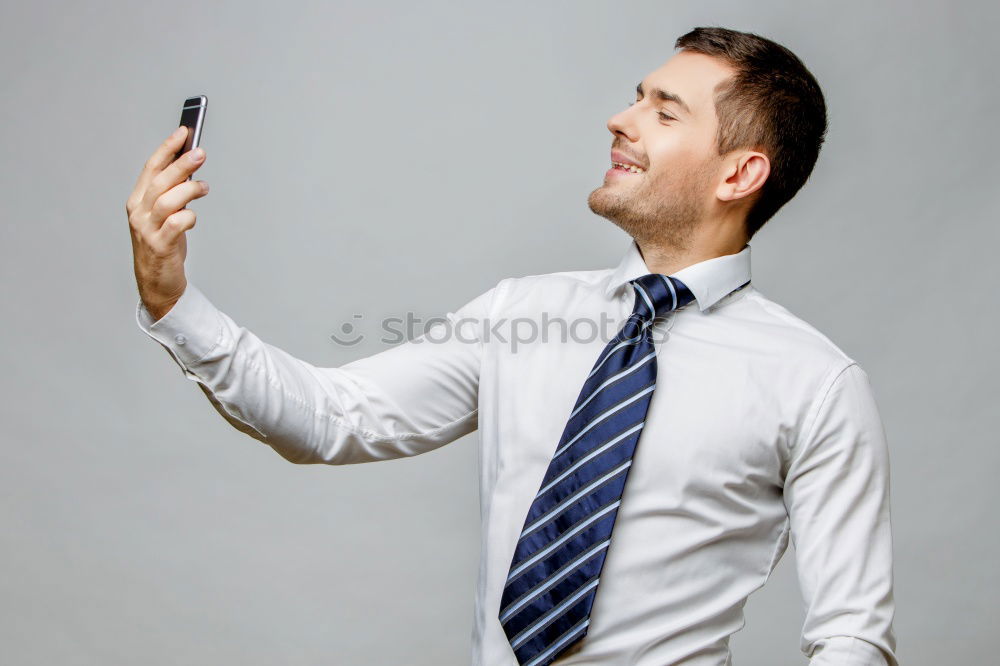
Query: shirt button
column 180, row 339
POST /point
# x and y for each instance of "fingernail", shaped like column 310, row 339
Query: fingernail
column 197, row 154
column 177, row 132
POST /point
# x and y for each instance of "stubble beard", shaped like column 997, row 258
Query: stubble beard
column 652, row 212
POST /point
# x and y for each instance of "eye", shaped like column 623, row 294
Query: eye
column 662, row 115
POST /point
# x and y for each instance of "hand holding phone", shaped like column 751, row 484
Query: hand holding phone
column 157, row 213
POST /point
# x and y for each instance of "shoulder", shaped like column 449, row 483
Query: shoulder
column 774, row 327
column 557, row 280
column 528, row 295
column 802, row 365
column 549, row 288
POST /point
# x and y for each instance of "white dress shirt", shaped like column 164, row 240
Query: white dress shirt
column 760, row 429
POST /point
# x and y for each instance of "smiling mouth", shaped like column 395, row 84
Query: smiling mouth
column 631, row 168
column 622, row 170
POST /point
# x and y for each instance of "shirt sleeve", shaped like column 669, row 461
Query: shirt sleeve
column 837, row 496
column 408, row 399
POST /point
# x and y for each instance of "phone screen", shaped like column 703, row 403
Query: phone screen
column 193, row 117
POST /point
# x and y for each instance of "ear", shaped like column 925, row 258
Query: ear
column 744, row 174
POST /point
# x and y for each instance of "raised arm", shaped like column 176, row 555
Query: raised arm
column 406, row 400
column 837, row 496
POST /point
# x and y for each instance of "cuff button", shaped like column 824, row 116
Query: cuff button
column 180, row 339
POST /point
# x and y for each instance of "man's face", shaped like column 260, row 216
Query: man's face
column 675, row 142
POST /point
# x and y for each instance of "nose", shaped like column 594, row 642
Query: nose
column 621, row 124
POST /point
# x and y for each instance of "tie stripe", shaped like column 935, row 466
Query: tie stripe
column 611, row 411
column 553, row 614
column 612, row 380
column 557, row 562
column 556, row 577
column 620, row 345
column 564, row 640
column 583, row 524
column 552, row 513
column 574, row 466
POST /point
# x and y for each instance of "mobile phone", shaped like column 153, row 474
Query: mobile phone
column 193, row 117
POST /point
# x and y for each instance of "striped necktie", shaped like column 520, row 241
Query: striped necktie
column 546, row 602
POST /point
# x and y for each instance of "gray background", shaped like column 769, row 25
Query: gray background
column 383, row 158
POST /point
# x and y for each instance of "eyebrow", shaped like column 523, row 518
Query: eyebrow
column 665, row 96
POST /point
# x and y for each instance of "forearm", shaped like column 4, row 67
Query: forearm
column 305, row 413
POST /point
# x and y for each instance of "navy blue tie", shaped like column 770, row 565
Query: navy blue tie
column 546, row 602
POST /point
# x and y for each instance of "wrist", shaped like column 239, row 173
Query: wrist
column 158, row 307
column 158, row 310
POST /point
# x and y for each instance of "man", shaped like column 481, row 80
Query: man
column 736, row 425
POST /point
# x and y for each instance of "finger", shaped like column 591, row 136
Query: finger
column 175, row 199
column 176, row 172
column 161, row 157
column 175, row 225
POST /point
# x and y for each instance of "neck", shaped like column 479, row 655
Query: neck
column 667, row 260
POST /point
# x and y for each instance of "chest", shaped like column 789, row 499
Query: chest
column 718, row 417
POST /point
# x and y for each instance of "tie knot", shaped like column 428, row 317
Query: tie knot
column 656, row 295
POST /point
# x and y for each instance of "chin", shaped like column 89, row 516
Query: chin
column 620, row 211
column 606, row 204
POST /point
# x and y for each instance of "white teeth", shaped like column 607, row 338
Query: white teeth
column 629, row 167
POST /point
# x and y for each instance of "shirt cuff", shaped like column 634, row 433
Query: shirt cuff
column 189, row 331
column 850, row 651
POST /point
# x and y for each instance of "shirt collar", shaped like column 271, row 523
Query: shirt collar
column 709, row 280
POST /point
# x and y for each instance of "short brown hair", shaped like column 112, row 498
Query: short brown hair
column 772, row 104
